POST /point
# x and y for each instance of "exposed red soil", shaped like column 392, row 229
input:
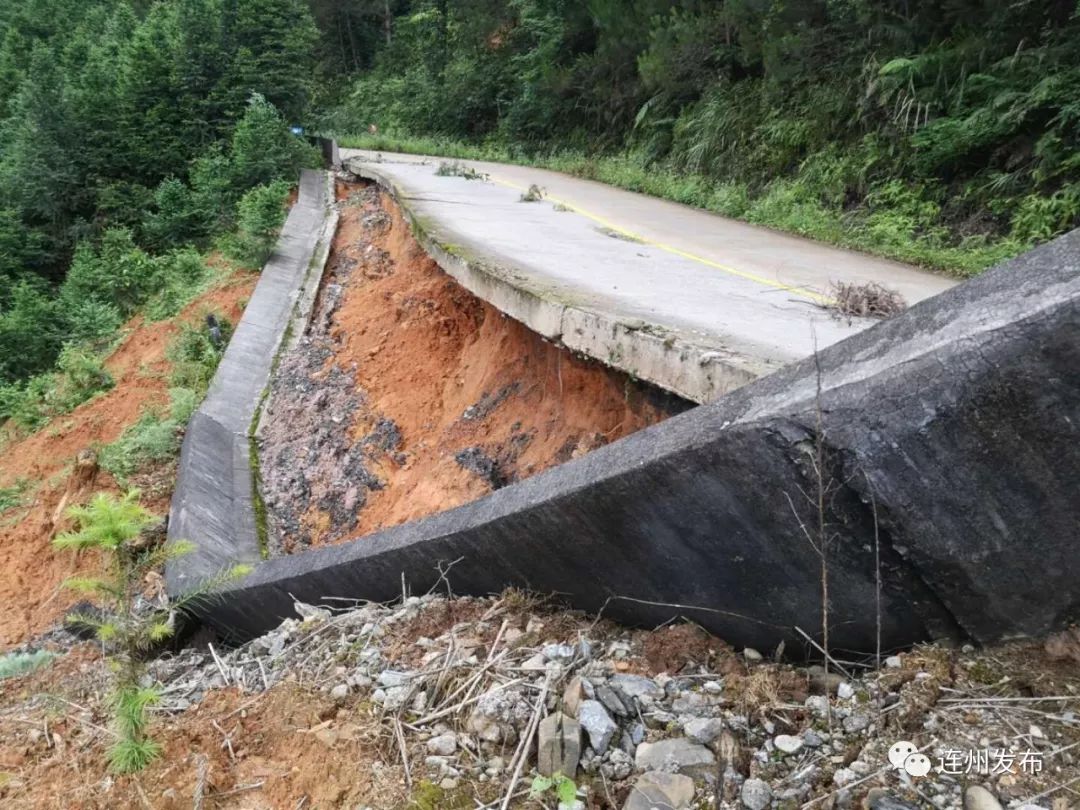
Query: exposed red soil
column 287, row 744
column 30, row 572
column 426, row 351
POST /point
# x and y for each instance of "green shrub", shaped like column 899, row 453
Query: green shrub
column 264, row 150
column 25, row 403
column 180, row 275
column 117, row 273
column 730, row 199
column 260, row 215
column 1039, row 218
column 80, row 376
column 177, row 218
column 212, row 196
column 157, row 435
column 32, row 332
column 13, row 496
column 194, row 356
column 91, row 320
column 154, row 438
column 182, row 404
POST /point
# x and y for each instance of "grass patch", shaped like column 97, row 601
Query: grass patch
column 20, row 663
column 80, row 375
column 157, row 434
column 154, row 438
column 13, row 496
column 188, row 277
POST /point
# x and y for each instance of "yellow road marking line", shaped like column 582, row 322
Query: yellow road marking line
column 577, row 209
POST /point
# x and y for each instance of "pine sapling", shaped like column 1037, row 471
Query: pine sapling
column 127, row 627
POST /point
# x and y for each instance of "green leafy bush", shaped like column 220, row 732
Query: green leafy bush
column 180, row 275
column 117, row 273
column 157, row 435
column 25, row 403
column 13, row 496
column 1039, row 217
column 32, row 332
column 80, row 375
column 264, row 150
column 153, row 438
column 194, row 355
column 91, row 320
column 260, row 215
column 177, row 218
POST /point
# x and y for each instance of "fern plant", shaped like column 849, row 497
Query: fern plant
column 128, row 628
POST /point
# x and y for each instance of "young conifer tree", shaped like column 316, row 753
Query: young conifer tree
column 127, row 626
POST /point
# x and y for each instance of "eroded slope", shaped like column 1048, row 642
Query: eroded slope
column 408, row 395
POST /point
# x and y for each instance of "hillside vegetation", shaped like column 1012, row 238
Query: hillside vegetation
column 135, row 138
column 942, row 133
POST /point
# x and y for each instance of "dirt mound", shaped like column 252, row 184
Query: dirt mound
column 30, row 573
column 409, row 395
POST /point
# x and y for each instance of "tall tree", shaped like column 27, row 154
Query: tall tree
column 274, row 43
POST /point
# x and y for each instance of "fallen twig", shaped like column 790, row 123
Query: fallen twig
column 202, row 769
column 235, row 790
column 522, row 752
column 220, row 665
column 399, row 735
column 823, row 651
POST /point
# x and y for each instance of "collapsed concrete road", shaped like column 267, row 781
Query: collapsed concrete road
column 941, row 446
column 692, row 302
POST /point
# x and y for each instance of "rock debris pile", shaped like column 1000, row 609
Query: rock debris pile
column 480, row 697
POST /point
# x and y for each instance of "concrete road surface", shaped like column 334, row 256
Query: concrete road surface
column 727, row 288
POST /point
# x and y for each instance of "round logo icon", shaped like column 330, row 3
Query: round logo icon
column 899, row 752
column 917, row 765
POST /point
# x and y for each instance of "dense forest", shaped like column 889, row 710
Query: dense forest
column 139, row 138
column 944, row 132
column 134, row 139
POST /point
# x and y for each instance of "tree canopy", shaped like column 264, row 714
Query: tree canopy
column 129, row 129
column 952, row 122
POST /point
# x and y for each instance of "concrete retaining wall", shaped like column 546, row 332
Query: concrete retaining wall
column 213, row 505
column 951, row 457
